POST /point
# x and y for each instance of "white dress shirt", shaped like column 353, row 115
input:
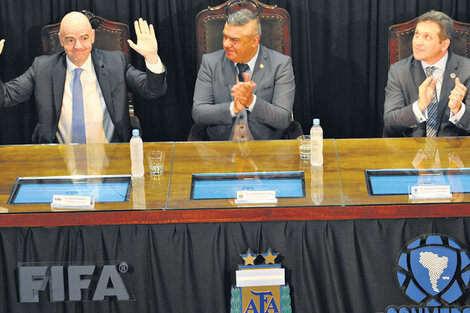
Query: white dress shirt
column 98, row 124
column 251, row 64
column 438, row 73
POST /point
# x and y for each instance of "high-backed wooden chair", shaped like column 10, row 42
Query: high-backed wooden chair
column 275, row 34
column 275, row 26
column 401, row 35
column 109, row 35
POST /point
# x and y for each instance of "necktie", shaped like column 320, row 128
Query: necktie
column 431, row 122
column 242, row 68
column 241, row 130
column 78, row 116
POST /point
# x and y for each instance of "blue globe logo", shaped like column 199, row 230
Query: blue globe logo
column 434, row 270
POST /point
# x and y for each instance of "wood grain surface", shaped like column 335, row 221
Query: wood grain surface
column 341, row 193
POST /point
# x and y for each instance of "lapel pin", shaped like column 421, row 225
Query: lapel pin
column 261, row 66
column 452, row 75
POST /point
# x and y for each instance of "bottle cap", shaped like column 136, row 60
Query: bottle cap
column 135, row 132
column 316, row 121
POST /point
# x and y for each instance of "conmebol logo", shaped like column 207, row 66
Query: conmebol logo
column 434, row 271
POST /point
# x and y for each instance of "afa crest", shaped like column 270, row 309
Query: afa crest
column 260, row 288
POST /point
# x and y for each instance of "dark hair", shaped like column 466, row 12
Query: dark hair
column 242, row 17
column 445, row 23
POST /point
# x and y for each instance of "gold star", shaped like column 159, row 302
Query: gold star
column 269, row 257
column 249, row 258
column 261, row 66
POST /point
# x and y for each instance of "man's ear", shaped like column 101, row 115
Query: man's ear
column 445, row 44
column 92, row 36
column 256, row 40
column 60, row 39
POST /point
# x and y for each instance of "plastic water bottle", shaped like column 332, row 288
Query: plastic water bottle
column 137, row 154
column 316, row 143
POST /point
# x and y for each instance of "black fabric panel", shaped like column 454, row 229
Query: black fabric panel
column 339, row 52
column 331, row 266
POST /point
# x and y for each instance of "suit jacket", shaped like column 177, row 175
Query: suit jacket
column 275, row 91
column 404, row 79
column 45, row 81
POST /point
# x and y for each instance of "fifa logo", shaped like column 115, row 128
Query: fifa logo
column 433, row 271
column 72, row 282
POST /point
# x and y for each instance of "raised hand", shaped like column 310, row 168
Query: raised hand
column 426, row 92
column 2, row 43
column 456, row 96
column 147, row 45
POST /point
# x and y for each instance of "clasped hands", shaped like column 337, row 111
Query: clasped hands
column 146, row 45
column 456, row 97
column 242, row 93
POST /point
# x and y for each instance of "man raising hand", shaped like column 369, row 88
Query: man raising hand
column 81, row 92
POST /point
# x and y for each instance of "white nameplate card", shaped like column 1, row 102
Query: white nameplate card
column 430, row 192
column 256, row 197
column 72, row 202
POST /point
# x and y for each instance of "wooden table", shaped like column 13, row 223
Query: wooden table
column 166, row 198
column 339, row 245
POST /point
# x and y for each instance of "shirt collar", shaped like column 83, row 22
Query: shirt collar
column 87, row 66
column 441, row 64
column 252, row 62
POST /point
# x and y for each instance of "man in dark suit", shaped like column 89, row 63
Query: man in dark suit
column 81, row 93
column 245, row 91
column 426, row 93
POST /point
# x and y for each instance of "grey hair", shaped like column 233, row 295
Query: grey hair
column 445, row 23
column 243, row 17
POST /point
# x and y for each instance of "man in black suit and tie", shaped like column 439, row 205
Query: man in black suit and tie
column 426, row 93
column 81, row 92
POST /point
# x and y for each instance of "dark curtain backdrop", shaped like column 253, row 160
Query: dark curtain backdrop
column 331, row 266
column 339, row 56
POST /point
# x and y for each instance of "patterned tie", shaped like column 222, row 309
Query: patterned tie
column 431, row 122
column 242, row 68
column 78, row 116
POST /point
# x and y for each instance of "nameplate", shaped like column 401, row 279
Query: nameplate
column 430, row 192
column 256, row 197
column 72, row 202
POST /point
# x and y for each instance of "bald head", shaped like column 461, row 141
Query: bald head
column 77, row 37
column 74, row 20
